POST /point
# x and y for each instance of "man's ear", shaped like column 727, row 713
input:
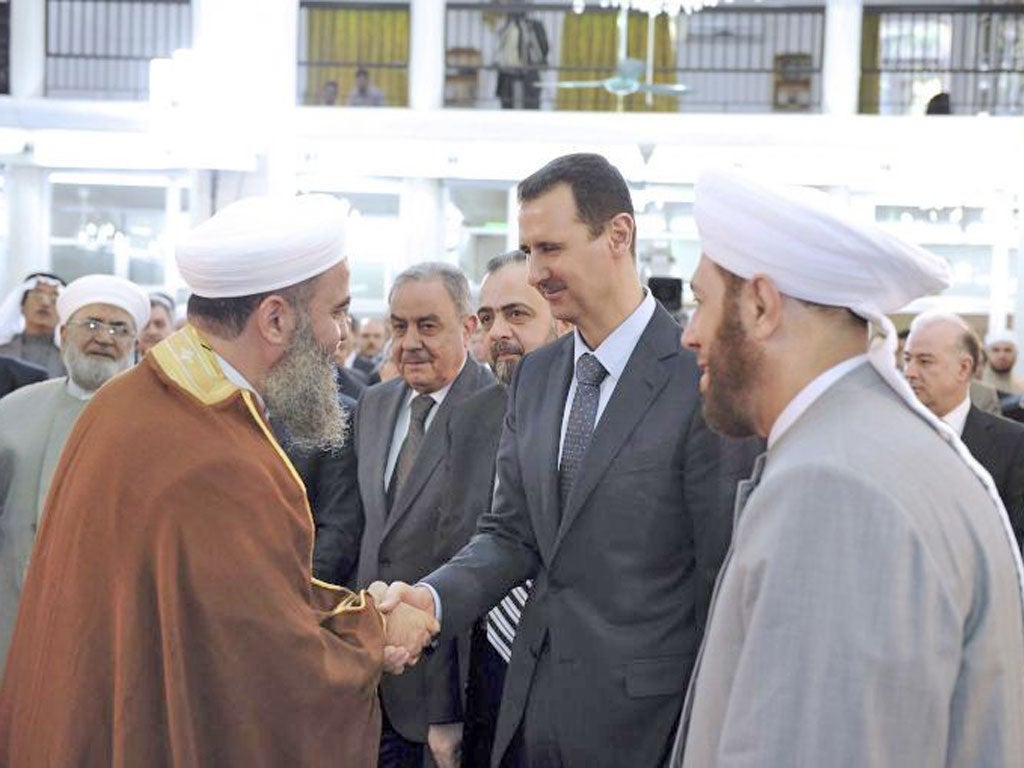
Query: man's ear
column 63, row 335
column 275, row 319
column 469, row 324
column 761, row 304
column 621, row 231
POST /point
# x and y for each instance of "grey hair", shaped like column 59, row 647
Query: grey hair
column 967, row 341
column 454, row 282
column 500, row 262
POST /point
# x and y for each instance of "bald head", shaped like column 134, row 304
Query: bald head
column 939, row 359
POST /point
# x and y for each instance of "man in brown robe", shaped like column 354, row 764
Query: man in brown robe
column 169, row 618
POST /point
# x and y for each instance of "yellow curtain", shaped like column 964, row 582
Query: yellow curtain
column 870, row 85
column 343, row 39
column 590, row 43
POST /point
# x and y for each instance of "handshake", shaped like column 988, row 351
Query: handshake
column 410, row 624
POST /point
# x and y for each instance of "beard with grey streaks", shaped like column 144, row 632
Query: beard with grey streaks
column 301, row 393
column 91, row 372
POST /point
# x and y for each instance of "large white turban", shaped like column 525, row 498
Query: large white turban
column 810, row 247
column 104, row 289
column 262, row 244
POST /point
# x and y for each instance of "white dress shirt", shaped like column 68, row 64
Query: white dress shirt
column 235, row 376
column 958, row 416
column 806, row 396
column 405, row 416
column 613, row 353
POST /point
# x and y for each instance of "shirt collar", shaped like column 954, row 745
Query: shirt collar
column 613, row 353
column 958, row 416
column 235, row 376
column 806, row 396
column 78, row 392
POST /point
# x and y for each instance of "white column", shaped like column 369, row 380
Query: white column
column 421, row 210
column 28, row 216
column 28, row 48
column 840, row 72
column 1018, row 305
column 426, row 54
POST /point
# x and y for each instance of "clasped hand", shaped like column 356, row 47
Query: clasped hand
column 411, row 625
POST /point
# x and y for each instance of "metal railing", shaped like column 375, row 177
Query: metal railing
column 731, row 59
column 336, row 40
column 974, row 54
column 101, row 49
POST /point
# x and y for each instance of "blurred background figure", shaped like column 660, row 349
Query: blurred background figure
column 160, row 325
column 28, row 322
column 365, row 94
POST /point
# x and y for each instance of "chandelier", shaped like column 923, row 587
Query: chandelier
column 650, row 7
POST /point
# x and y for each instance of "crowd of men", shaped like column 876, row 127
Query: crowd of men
column 541, row 525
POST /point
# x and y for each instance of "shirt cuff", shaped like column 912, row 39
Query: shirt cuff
column 437, row 599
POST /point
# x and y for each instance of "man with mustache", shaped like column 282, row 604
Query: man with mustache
column 169, row 615
column 612, row 497
column 870, row 609
column 401, row 441
column 99, row 315
column 515, row 319
column 28, row 319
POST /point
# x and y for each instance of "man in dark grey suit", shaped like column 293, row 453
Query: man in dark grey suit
column 940, row 356
column 608, row 497
column 401, row 441
column 515, row 320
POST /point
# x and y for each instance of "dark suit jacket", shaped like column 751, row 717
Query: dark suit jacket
column 623, row 575
column 400, row 544
column 998, row 445
column 350, row 383
column 332, row 487
column 15, row 374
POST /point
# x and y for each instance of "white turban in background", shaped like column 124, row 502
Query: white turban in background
column 12, row 321
column 1000, row 337
column 817, row 252
column 262, row 244
column 104, row 289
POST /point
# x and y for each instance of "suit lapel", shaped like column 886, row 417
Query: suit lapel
column 434, row 445
column 642, row 379
column 975, row 436
column 381, row 448
column 544, row 467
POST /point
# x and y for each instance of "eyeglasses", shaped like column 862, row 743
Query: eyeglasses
column 114, row 330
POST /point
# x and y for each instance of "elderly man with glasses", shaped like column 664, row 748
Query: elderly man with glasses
column 100, row 316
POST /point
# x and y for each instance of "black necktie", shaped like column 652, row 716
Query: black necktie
column 582, row 415
column 420, row 409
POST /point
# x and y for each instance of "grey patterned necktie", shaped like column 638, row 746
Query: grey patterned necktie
column 420, row 409
column 582, row 415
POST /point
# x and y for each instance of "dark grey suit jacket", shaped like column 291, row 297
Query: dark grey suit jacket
column 15, row 374
column 998, row 445
column 623, row 575
column 402, row 544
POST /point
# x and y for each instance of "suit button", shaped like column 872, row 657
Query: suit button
column 384, row 563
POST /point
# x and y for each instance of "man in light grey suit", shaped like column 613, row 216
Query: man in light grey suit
column 99, row 318
column 870, row 610
column 401, row 434
column 609, row 497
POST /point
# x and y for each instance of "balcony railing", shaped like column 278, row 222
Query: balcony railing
column 730, row 59
column 974, row 54
column 101, row 49
column 337, row 40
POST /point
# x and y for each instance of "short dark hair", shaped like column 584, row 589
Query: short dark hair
column 498, row 262
column 228, row 316
column 599, row 190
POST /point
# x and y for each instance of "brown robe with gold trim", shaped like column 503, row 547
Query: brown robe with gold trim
column 169, row 617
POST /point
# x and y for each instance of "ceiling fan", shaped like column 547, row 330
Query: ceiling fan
column 631, row 75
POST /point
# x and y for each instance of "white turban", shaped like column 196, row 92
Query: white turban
column 1000, row 337
column 262, row 244
column 104, row 289
column 810, row 248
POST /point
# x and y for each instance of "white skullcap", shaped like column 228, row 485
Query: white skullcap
column 104, row 289
column 262, row 244
column 811, row 250
column 1000, row 337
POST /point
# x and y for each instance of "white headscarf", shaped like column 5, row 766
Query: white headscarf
column 816, row 252
column 261, row 244
column 12, row 321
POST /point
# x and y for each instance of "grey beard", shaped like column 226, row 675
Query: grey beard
column 90, row 372
column 301, row 394
column 504, row 369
